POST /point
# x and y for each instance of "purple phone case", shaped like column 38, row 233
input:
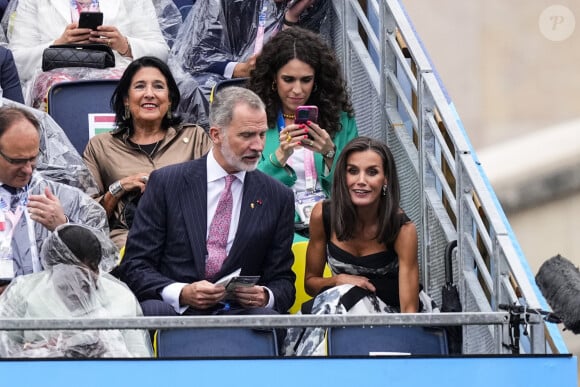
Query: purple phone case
column 306, row 113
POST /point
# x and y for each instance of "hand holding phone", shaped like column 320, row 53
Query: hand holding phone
column 306, row 113
column 90, row 20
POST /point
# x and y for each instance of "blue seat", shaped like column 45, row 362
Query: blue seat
column 216, row 342
column 181, row 3
column 239, row 82
column 70, row 103
column 361, row 341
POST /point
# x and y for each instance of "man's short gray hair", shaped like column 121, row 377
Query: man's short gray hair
column 225, row 101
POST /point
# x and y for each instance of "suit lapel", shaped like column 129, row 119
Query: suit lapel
column 252, row 197
column 193, row 203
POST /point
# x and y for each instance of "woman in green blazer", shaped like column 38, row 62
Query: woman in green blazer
column 297, row 68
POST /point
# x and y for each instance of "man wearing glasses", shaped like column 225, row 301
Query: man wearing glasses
column 31, row 207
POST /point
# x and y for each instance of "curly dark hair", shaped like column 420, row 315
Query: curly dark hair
column 122, row 92
column 329, row 92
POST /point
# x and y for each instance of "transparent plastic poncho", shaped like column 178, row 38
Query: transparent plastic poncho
column 8, row 13
column 67, row 288
column 58, row 160
column 217, row 31
column 169, row 19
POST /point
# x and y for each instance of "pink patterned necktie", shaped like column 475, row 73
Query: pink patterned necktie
column 219, row 229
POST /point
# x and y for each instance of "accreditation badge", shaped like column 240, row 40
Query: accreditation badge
column 6, row 263
column 305, row 201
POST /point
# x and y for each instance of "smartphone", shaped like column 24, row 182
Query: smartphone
column 306, row 113
column 90, row 20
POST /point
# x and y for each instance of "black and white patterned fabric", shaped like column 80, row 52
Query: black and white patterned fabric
column 381, row 268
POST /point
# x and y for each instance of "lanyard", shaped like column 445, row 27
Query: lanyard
column 310, row 175
column 32, row 239
column 81, row 5
column 32, row 236
column 6, row 214
column 14, row 218
column 309, row 170
column 261, row 28
column 6, row 239
column 281, row 122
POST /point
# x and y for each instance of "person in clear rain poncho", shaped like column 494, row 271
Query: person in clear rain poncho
column 130, row 28
column 32, row 205
column 220, row 39
column 73, row 285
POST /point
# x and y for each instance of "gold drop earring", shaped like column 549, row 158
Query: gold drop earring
column 127, row 113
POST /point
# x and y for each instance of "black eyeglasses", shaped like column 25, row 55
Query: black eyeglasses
column 20, row 162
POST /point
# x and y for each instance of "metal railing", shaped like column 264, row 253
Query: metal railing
column 268, row 321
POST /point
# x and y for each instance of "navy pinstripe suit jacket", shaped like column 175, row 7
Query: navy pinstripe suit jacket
column 167, row 241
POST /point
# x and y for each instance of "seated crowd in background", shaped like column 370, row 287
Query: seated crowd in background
column 219, row 39
column 164, row 187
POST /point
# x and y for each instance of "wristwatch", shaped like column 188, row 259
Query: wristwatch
column 330, row 154
column 116, row 189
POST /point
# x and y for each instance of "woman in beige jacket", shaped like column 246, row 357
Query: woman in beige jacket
column 148, row 136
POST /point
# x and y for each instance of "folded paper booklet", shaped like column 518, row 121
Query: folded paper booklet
column 234, row 280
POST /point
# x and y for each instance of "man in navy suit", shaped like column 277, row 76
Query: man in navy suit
column 9, row 80
column 165, row 255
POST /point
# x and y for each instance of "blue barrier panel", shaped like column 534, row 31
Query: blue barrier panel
column 481, row 371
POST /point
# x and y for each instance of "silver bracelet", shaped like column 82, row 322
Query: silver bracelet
column 116, row 189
